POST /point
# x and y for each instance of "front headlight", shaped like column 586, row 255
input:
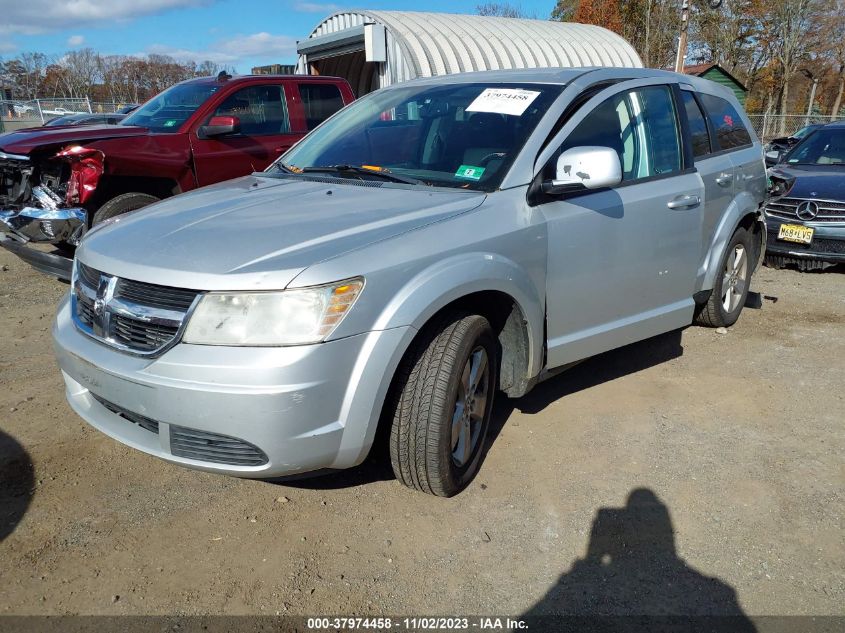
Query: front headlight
column 256, row 319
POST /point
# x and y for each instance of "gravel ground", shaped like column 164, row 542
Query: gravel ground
column 696, row 472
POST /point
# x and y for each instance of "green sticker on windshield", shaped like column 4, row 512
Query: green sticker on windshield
column 469, row 172
column 170, row 122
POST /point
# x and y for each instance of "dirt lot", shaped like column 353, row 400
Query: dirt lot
column 696, row 472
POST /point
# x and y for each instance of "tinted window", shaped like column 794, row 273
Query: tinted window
column 262, row 110
column 319, row 101
column 730, row 132
column 640, row 126
column 697, row 125
column 822, row 147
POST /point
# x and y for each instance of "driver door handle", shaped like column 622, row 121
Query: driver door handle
column 724, row 179
column 684, row 202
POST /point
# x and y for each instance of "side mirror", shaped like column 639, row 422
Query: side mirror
column 585, row 168
column 772, row 157
column 220, row 126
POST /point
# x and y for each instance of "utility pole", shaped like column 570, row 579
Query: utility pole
column 815, row 81
column 682, row 40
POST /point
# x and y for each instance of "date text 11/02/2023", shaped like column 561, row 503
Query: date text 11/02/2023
column 416, row 623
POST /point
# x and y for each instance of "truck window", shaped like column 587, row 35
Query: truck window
column 262, row 110
column 319, row 101
column 726, row 122
column 697, row 125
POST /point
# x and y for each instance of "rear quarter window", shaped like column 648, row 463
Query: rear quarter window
column 725, row 122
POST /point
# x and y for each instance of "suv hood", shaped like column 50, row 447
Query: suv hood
column 825, row 182
column 258, row 232
column 28, row 139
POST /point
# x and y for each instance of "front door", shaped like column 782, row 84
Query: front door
column 264, row 134
column 622, row 261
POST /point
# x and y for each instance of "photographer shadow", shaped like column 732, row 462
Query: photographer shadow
column 632, row 579
column 17, row 481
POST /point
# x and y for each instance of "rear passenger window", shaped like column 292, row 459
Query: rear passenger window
column 726, row 122
column 319, row 101
column 697, row 125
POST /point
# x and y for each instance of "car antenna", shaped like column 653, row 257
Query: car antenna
column 223, row 76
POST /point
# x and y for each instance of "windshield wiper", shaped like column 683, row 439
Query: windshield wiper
column 282, row 167
column 353, row 169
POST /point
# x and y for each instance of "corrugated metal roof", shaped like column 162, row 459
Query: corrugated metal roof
column 427, row 44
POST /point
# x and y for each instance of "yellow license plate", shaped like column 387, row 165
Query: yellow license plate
column 795, row 233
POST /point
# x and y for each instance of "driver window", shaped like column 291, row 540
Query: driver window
column 640, row 126
column 262, row 110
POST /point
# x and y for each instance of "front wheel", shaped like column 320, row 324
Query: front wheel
column 121, row 204
column 442, row 405
column 732, row 283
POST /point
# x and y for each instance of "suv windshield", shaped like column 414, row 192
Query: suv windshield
column 456, row 135
column 825, row 146
column 167, row 111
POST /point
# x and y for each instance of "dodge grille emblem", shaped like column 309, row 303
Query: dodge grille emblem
column 807, row 210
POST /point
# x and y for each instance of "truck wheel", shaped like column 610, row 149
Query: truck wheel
column 443, row 399
column 731, row 288
column 122, row 204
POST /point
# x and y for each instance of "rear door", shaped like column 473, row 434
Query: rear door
column 730, row 131
column 622, row 261
column 714, row 165
column 265, row 132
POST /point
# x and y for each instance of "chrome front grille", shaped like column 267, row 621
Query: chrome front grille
column 213, row 447
column 133, row 316
column 155, row 296
column 787, row 209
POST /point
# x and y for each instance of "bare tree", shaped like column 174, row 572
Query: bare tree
column 502, row 10
column 83, row 70
column 789, row 28
column 836, row 22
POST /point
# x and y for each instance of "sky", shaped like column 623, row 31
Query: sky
column 234, row 33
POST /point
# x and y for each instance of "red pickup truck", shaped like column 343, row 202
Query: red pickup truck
column 56, row 182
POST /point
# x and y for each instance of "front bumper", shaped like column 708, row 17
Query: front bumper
column 828, row 243
column 52, row 225
column 304, row 408
column 52, row 264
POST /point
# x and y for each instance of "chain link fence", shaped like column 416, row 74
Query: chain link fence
column 769, row 126
column 19, row 114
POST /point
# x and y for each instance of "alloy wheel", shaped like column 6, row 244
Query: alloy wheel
column 735, row 279
column 470, row 406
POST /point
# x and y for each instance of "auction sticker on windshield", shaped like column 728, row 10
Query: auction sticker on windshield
column 503, row 101
column 469, row 172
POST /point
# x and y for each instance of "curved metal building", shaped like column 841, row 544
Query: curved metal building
column 372, row 49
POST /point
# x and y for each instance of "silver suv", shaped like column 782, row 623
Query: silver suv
column 431, row 244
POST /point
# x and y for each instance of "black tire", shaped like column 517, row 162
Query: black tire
column 427, row 396
column 715, row 313
column 123, row 203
